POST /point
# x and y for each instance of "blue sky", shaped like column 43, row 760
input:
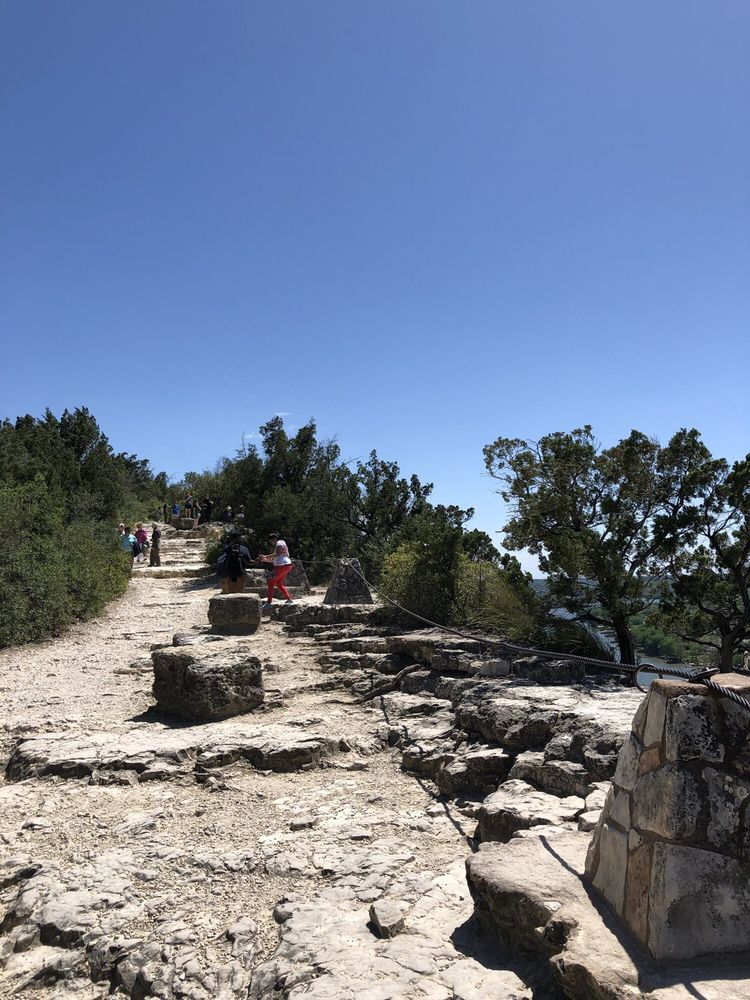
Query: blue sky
column 425, row 224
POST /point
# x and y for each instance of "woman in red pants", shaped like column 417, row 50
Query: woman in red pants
column 282, row 564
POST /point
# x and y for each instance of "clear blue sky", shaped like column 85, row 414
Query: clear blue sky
column 425, row 224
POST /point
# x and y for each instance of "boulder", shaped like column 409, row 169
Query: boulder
column 347, row 585
column 196, row 684
column 234, row 614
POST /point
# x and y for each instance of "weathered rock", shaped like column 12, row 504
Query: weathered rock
column 202, row 685
column 518, row 806
column 194, row 638
column 347, row 585
column 473, row 770
column 234, row 614
column 560, row 777
column 388, row 917
column 268, row 747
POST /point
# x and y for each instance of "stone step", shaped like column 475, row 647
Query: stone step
column 517, row 805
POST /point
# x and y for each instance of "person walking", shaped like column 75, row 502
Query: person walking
column 165, row 513
column 155, row 556
column 282, row 565
column 175, row 511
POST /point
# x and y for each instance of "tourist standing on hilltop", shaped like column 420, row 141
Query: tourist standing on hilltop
column 227, row 515
column 188, row 505
column 175, row 511
column 155, row 557
column 239, row 517
column 282, row 565
column 208, row 506
column 165, row 513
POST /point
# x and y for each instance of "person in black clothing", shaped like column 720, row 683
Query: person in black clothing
column 165, row 513
column 208, row 506
column 155, row 557
column 232, row 563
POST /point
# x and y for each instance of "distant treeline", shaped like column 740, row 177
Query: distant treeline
column 62, row 491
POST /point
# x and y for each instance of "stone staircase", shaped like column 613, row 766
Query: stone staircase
column 181, row 556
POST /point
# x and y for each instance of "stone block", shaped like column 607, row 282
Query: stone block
column 637, row 888
column 727, row 816
column 692, row 730
column 699, row 903
column 667, row 802
column 626, row 772
column 234, row 614
column 199, row 685
column 613, row 860
column 657, row 707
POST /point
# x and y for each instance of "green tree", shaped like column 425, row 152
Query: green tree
column 602, row 522
column 707, row 597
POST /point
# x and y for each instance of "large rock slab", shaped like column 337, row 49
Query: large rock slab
column 518, row 806
column 151, row 746
column 199, row 684
column 234, row 614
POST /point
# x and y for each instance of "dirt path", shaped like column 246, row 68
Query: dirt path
column 244, row 882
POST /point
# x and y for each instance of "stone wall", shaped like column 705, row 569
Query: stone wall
column 671, row 851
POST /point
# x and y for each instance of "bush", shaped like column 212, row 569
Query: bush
column 51, row 573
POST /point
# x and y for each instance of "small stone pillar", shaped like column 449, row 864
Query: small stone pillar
column 234, row 614
column 671, row 851
column 347, row 586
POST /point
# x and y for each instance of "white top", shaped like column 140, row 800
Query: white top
column 281, row 554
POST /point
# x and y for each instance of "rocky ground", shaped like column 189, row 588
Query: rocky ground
column 315, row 847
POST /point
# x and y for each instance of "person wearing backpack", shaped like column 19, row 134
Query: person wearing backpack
column 231, row 565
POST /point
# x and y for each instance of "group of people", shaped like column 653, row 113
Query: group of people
column 188, row 508
column 202, row 512
column 235, row 559
column 138, row 543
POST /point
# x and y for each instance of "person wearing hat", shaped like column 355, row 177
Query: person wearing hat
column 282, row 565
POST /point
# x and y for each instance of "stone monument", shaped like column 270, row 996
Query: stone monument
column 671, row 851
column 347, row 585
